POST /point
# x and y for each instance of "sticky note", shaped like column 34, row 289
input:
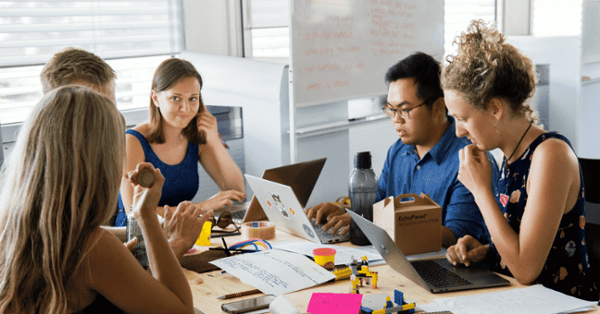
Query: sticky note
column 334, row 303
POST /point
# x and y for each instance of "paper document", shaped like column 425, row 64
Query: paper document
column 274, row 271
column 343, row 254
column 531, row 300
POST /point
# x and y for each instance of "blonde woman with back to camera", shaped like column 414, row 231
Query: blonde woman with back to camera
column 536, row 216
column 60, row 183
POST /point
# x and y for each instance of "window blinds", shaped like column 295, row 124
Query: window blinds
column 32, row 31
column 132, row 36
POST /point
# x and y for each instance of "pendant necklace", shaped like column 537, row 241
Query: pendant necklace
column 519, row 143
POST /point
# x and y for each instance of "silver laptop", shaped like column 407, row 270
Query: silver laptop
column 301, row 177
column 283, row 209
column 435, row 275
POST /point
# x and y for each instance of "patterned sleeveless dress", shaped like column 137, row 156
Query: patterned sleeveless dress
column 567, row 268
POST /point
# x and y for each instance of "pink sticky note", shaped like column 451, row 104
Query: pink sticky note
column 334, row 303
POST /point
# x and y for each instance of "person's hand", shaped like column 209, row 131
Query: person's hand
column 331, row 215
column 183, row 224
column 466, row 250
column 145, row 200
column 131, row 244
column 223, row 198
column 208, row 123
column 475, row 171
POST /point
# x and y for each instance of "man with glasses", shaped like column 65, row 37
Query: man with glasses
column 425, row 157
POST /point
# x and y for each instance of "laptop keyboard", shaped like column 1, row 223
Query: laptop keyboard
column 437, row 275
column 327, row 236
column 239, row 214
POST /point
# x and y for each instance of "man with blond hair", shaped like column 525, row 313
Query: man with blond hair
column 79, row 67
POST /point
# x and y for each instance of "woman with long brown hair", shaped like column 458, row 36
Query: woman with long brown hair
column 180, row 134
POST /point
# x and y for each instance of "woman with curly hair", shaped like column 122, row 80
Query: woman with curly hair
column 59, row 185
column 535, row 217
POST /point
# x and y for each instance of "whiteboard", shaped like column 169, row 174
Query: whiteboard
column 341, row 49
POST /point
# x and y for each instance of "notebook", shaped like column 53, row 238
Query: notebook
column 435, row 275
column 301, row 177
column 282, row 207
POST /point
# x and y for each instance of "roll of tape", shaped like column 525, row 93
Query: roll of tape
column 258, row 230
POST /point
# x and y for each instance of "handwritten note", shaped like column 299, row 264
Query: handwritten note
column 341, row 49
column 275, row 272
column 334, row 303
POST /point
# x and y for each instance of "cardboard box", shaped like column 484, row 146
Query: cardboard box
column 415, row 225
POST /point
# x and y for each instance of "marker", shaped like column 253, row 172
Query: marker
column 146, row 178
column 239, row 294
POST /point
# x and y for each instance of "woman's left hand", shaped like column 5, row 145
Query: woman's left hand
column 475, row 171
column 208, row 123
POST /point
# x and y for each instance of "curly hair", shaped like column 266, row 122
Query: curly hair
column 487, row 67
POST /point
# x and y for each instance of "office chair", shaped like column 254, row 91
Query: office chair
column 590, row 169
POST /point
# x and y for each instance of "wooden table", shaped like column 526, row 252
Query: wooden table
column 216, row 284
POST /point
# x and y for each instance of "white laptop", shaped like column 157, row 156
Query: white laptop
column 301, row 177
column 435, row 275
column 283, row 209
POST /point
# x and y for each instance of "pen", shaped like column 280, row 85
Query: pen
column 219, row 235
column 239, row 294
column 236, row 250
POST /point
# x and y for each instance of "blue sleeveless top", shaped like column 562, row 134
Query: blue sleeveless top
column 181, row 180
column 567, row 267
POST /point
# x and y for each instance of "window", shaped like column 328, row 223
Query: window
column 459, row 13
column 267, row 26
column 267, row 22
column 556, row 17
column 132, row 36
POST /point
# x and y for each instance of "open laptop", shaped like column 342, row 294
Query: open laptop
column 301, row 177
column 283, row 208
column 436, row 275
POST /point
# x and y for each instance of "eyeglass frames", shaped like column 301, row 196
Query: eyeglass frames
column 404, row 112
column 224, row 220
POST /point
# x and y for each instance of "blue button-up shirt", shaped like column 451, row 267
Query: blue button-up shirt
column 436, row 175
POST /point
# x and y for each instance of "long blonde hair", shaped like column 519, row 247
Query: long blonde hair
column 59, row 184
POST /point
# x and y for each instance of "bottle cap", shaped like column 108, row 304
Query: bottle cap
column 146, row 178
column 362, row 160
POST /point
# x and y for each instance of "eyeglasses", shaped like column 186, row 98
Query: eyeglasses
column 404, row 113
column 224, row 220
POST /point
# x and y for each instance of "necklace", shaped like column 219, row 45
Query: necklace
column 519, row 143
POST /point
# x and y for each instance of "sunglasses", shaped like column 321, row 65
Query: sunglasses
column 223, row 221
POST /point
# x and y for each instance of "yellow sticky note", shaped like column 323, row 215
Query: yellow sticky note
column 204, row 238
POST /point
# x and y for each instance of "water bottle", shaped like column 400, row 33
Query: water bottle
column 362, row 189
column 145, row 179
column 134, row 231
